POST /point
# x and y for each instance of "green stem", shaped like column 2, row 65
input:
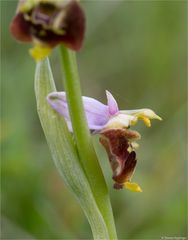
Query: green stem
column 83, row 139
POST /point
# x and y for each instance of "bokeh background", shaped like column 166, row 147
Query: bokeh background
column 137, row 50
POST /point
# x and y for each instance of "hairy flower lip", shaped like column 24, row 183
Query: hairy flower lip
column 122, row 161
column 131, row 135
column 49, row 23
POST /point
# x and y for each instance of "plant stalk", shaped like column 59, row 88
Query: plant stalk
column 83, row 139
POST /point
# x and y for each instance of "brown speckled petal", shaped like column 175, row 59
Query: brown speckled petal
column 117, row 143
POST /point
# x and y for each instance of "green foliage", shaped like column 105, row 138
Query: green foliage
column 137, row 50
column 64, row 151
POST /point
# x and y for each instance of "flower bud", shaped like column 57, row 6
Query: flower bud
column 48, row 23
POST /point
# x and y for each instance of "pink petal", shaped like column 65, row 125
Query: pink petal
column 57, row 101
column 96, row 112
column 112, row 104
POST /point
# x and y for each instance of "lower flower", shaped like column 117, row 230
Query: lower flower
column 113, row 125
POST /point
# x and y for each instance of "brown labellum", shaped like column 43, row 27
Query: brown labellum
column 121, row 154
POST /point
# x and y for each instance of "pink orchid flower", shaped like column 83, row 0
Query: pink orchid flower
column 113, row 126
column 100, row 116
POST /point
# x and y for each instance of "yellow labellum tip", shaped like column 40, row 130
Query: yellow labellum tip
column 39, row 52
column 134, row 187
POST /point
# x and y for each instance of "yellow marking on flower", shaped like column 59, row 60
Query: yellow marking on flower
column 134, row 187
column 57, row 23
column 135, row 145
column 30, row 4
column 146, row 120
column 39, row 52
column 54, row 2
column 27, row 5
column 129, row 149
column 146, row 115
column 133, row 121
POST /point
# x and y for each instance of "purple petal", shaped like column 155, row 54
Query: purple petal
column 112, row 104
column 96, row 113
column 57, row 101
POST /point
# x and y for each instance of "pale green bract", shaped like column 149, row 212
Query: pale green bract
column 64, row 152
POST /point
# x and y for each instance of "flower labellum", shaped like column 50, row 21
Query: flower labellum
column 113, row 125
column 122, row 157
column 47, row 23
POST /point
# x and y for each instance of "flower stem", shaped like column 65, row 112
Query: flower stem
column 83, row 139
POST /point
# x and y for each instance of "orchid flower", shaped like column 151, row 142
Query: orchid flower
column 113, row 126
column 100, row 116
column 47, row 23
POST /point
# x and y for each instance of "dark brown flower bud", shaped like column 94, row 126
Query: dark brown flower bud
column 49, row 22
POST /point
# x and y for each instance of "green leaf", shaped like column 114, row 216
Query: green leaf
column 64, row 152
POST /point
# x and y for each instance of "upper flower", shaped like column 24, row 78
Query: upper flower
column 47, row 23
column 113, row 125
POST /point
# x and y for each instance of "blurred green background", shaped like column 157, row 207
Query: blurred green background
column 137, row 50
